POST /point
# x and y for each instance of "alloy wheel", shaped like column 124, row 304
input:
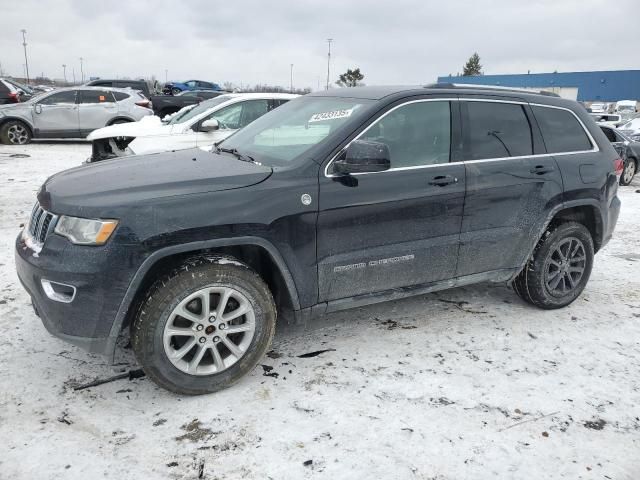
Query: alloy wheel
column 565, row 266
column 18, row 134
column 209, row 330
column 629, row 172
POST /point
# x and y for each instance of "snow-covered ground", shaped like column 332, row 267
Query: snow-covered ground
column 466, row 383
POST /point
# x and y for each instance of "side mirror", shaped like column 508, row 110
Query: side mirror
column 363, row 156
column 209, row 125
column 38, row 108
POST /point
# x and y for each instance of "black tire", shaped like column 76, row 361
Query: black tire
column 630, row 169
column 15, row 132
column 175, row 91
column 166, row 294
column 533, row 283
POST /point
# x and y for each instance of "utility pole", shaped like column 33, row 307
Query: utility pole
column 166, row 74
column 81, row 70
column 24, row 44
column 291, row 82
column 329, row 40
column 1, row 73
column 73, row 72
column 64, row 73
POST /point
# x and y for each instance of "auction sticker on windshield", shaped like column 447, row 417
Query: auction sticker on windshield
column 333, row 115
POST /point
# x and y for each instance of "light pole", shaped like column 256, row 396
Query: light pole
column 64, row 73
column 166, row 74
column 24, row 44
column 329, row 40
column 291, row 81
column 73, row 72
column 81, row 71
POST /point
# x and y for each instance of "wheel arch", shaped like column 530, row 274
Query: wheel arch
column 119, row 117
column 586, row 212
column 256, row 252
column 4, row 120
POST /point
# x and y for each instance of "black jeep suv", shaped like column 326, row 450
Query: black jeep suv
column 332, row 201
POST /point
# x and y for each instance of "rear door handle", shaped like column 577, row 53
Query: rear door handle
column 542, row 169
column 443, row 180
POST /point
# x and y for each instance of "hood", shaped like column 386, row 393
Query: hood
column 136, row 179
column 9, row 107
column 147, row 127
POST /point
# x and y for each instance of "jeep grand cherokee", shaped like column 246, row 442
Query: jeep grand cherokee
column 334, row 200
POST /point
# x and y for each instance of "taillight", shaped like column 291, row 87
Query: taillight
column 618, row 167
column 144, row 103
column 14, row 97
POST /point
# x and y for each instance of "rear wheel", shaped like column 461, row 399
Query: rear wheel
column 629, row 172
column 175, row 91
column 204, row 326
column 15, row 132
column 559, row 269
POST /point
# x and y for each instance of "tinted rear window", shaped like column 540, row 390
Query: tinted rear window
column 120, row 96
column 497, row 130
column 561, row 130
column 95, row 96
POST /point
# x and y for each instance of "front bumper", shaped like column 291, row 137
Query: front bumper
column 100, row 286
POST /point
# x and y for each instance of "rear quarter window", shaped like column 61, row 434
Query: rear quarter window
column 120, row 96
column 561, row 130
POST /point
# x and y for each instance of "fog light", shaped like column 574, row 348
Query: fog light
column 58, row 292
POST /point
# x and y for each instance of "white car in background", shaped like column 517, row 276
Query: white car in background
column 631, row 129
column 200, row 125
column 608, row 119
column 599, row 107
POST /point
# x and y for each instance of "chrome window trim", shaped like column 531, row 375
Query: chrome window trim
column 462, row 162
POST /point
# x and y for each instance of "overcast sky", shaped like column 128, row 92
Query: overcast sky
column 254, row 41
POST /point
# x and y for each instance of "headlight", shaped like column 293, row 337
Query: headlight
column 84, row 231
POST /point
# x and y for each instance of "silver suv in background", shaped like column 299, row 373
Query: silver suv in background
column 70, row 113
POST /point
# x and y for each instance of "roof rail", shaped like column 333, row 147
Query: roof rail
column 491, row 87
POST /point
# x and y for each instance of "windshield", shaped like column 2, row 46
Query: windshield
column 289, row 131
column 201, row 108
column 626, row 108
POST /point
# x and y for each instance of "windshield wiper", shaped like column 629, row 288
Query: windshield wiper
column 237, row 154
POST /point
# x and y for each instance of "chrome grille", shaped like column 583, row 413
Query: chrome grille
column 39, row 223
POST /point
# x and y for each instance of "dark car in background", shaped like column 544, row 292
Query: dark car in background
column 10, row 94
column 203, row 94
column 164, row 105
column 334, row 200
column 139, row 85
column 628, row 149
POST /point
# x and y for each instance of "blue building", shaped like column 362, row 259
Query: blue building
column 606, row 86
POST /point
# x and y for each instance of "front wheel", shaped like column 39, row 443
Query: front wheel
column 204, row 326
column 559, row 268
column 15, row 132
column 175, row 91
column 629, row 172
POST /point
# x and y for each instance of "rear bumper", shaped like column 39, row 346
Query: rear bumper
column 86, row 320
column 612, row 220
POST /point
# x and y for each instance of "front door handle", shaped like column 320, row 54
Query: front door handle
column 443, row 180
column 542, row 169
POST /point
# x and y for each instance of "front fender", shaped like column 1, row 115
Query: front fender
column 158, row 255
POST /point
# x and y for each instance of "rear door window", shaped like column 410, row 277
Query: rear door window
column 561, row 130
column 609, row 133
column 95, row 96
column 497, row 130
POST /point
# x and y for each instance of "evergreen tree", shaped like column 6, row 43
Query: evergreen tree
column 351, row 78
column 472, row 67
